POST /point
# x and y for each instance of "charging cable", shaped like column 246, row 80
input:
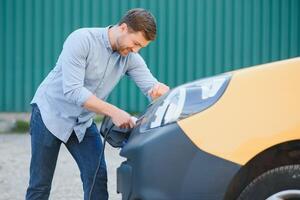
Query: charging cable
column 99, row 163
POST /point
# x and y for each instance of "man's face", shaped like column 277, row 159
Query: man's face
column 128, row 41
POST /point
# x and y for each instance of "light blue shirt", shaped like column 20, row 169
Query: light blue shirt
column 87, row 65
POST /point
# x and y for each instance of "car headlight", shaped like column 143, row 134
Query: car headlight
column 184, row 101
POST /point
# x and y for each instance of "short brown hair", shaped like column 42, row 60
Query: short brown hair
column 139, row 19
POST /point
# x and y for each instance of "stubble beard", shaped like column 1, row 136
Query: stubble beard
column 122, row 50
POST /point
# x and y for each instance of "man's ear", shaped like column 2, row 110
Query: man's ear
column 123, row 27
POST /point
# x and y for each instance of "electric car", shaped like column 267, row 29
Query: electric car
column 231, row 136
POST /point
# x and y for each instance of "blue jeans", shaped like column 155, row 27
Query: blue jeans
column 44, row 152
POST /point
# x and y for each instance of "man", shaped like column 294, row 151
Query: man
column 91, row 63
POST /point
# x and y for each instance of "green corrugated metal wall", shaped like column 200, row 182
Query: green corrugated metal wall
column 196, row 38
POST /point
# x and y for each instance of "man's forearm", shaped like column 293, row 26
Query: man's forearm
column 99, row 106
column 119, row 117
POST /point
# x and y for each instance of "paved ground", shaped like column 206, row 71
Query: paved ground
column 14, row 170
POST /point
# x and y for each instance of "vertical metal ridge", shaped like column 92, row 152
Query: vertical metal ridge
column 255, row 39
column 28, row 65
column 210, row 38
column 171, row 44
column 176, row 45
column 200, row 64
column 228, row 35
column 196, row 64
column 41, row 33
column 283, row 29
column 160, row 64
column 222, row 37
column 293, row 29
column 244, row 36
column 261, row 25
column 219, row 42
column 36, row 49
column 274, row 31
column 265, row 28
column 193, row 57
column 13, row 58
column 289, row 13
column 32, row 56
column 9, row 61
column 238, row 34
column 213, row 38
column 182, row 68
column 18, row 89
column 190, row 37
column 205, row 66
column 270, row 33
column 2, row 53
column 165, row 64
column 47, row 39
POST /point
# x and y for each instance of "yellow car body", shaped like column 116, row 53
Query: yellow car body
column 259, row 109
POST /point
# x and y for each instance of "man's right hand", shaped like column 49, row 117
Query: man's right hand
column 119, row 117
column 122, row 119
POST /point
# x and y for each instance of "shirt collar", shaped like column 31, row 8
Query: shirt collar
column 106, row 38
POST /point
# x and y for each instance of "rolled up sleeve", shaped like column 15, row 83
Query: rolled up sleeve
column 73, row 59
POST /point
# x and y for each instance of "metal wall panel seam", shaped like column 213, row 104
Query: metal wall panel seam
column 188, row 73
column 284, row 29
column 18, row 89
column 218, row 47
column 171, row 44
column 9, row 61
column 293, row 28
column 27, row 54
column 2, row 55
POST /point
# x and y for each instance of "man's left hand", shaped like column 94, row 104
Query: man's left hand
column 158, row 90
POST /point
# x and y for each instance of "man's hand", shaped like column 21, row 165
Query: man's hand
column 119, row 117
column 122, row 119
column 158, row 90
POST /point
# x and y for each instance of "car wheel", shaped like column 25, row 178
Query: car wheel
column 282, row 183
